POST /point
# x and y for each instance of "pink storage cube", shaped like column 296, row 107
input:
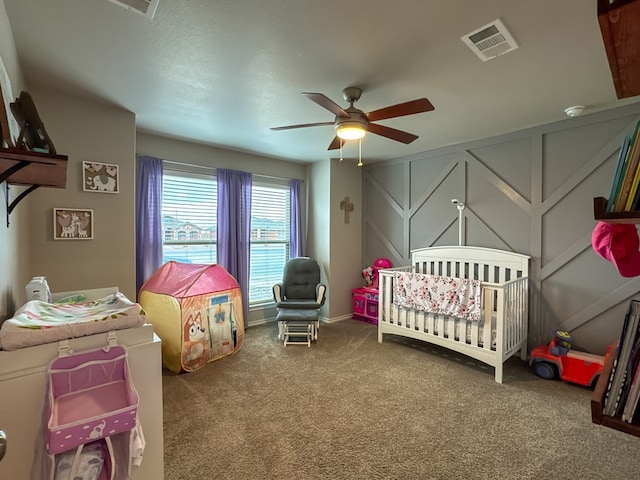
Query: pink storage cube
column 90, row 396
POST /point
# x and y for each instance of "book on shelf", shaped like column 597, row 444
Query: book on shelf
column 629, row 336
column 632, row 161
column 619, row 173
column 623, row 408
column 632, row 399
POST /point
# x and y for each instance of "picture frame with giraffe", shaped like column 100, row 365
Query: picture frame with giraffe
column 72, row 224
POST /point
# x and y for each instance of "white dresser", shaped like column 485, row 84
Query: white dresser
column 23, row 377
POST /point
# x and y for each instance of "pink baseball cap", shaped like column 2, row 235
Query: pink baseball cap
column 618, row 243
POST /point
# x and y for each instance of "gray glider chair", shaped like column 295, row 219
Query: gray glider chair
column 298, row 299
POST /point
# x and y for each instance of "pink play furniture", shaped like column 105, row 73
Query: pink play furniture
column 365, row 299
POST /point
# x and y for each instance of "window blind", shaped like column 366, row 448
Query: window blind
column 270, row 219
column 189, row 203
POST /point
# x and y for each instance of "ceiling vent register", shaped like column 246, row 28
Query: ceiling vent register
column 490, row 41
column 144, row 7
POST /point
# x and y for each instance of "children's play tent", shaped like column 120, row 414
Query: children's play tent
column 197, row 312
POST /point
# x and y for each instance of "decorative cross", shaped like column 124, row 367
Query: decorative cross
column 347, row 206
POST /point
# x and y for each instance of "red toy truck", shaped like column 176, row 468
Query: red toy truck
column 557, row 360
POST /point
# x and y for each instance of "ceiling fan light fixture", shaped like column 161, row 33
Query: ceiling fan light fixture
column 350, row 131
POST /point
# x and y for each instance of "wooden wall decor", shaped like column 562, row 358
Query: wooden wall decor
column 620, row 27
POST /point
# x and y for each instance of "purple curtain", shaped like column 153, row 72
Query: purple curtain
column 148, row 218
column 234, row 228
column 296, row 239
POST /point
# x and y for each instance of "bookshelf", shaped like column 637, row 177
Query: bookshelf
column 600, row 391
column 600, row 213
column 597, row 400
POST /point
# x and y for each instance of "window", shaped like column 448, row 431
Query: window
column 189, row 203
column 270, row 219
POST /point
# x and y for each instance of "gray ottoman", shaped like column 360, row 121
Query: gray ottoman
column 297, row 327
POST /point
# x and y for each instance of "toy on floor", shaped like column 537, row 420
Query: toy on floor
column 558, row 360
column 370, row 274
column 365, row 299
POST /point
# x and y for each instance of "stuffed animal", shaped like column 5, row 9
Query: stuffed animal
column 370, row 274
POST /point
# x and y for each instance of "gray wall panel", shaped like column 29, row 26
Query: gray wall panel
column 529, row 191
column 393, row 181
column 511, row 161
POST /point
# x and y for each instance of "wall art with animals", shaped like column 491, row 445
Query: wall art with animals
column 100, row 177
column 72, row 224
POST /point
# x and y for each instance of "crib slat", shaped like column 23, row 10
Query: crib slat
column 488, row 311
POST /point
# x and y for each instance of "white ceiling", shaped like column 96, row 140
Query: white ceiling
column 222, row 72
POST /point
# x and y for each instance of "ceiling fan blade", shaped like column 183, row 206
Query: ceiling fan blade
column 327, row 103
column 302, row 125
column 392, row 133
column 419, row 105
column 335, row 143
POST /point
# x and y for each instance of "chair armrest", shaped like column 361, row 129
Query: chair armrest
column 278, row 292
column 321, row 290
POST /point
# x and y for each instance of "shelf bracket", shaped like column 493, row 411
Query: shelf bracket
column 13, row 169
column 14, row 204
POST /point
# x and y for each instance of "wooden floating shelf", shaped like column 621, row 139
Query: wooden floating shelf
column 620, row 28
column 600, row 213
column 22, row 167
column 31, row 169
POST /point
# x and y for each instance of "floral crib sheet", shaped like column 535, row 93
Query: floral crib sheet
column 457, row 297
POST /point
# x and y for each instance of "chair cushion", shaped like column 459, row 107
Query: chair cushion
column 298, row 304
column 297, row 316
column 300, row 277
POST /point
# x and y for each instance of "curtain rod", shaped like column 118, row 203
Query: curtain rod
column 259, row 175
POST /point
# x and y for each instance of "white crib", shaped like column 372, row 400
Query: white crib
column 502, row 330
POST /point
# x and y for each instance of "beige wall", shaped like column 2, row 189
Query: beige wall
column 205, row 155
column 86, row 131
column 336, row 245
column 346, row 238
column 13, row 254
column 318, row 238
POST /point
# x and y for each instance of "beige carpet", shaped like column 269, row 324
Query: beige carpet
column 351, row 408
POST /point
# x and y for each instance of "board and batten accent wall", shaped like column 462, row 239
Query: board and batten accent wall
column 529, row 192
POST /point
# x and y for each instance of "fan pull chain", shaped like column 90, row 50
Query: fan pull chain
column 360, row 152
column 341, row 150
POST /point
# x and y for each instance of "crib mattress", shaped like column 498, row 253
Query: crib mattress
column 37, row 322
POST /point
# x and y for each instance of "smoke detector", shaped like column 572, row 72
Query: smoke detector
column 574, row 111
column 143, row 7
column 490, row 41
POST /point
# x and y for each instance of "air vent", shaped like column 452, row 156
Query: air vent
column 143, row 7
column 490, row 41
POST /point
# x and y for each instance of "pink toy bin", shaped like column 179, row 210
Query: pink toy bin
column 90, row 396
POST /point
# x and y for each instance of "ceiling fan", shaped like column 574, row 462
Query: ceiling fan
column 352, row 123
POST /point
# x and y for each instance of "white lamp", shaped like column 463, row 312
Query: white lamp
column 350, row 130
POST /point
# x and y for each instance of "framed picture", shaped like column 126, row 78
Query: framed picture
column 72, row 224
column 100, row 177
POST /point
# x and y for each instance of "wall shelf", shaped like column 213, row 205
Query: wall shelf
column 597, row 401
column 600, row 214
column 599, row 393
column 31, row 169
column 620, row 27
